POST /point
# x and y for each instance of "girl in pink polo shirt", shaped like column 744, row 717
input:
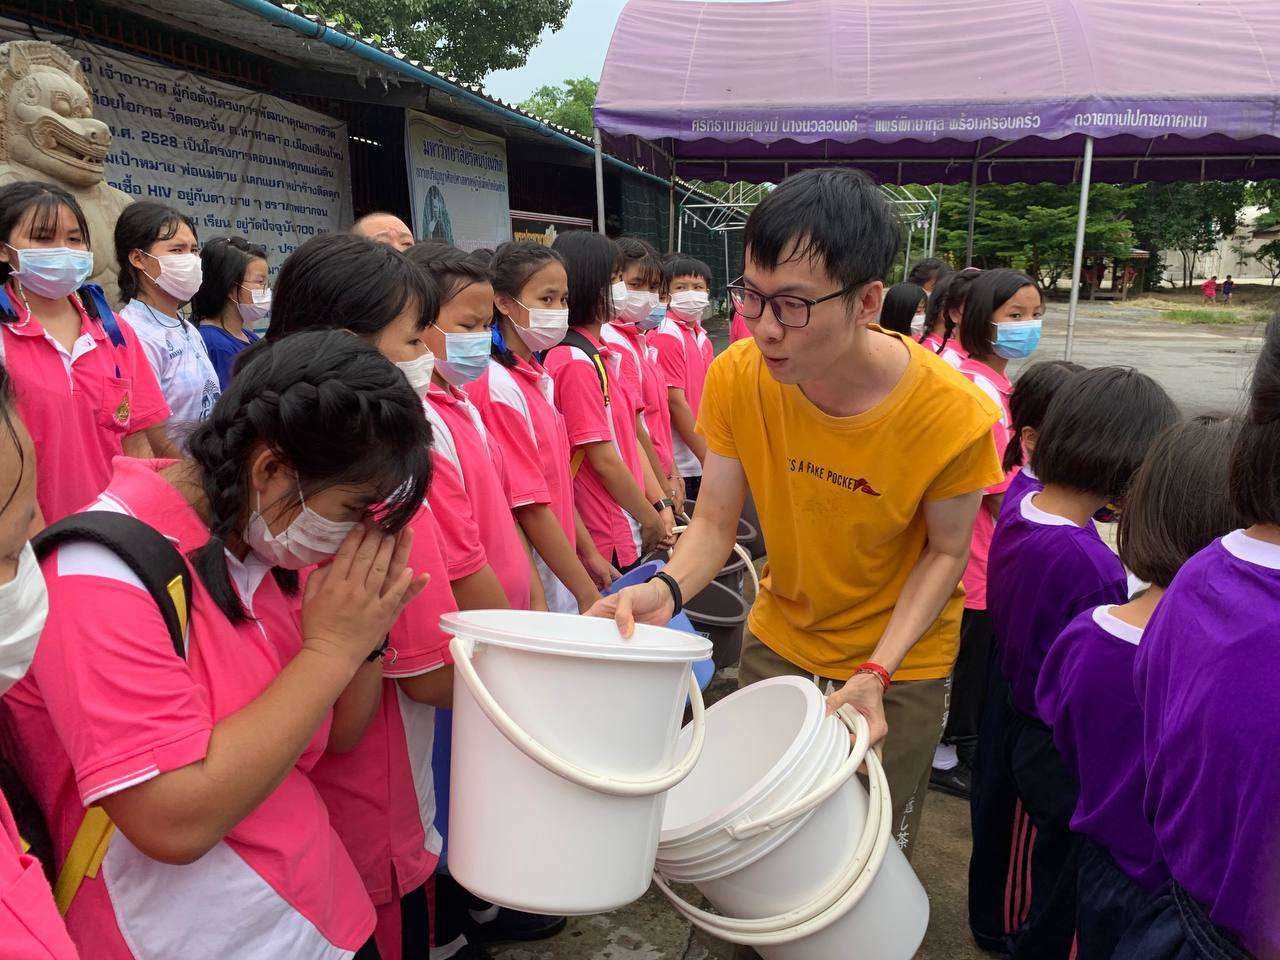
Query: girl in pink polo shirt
column 942, row 315
column 641, row 271
column 30, row 928
column 514, row 397
column 222, row 846
column 685, row 354
column 380, row 794
column 610, row 485
column 85, row 389
column 1001, row 323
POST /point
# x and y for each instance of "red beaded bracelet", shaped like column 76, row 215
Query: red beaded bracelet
column 875, row 670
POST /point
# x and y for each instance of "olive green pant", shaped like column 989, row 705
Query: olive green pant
column 916, row 712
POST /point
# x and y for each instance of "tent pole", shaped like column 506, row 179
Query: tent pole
column 1086, row 175
column 933, row 230
column 973, row 214
column 671, row 214
column 599, row 180
column 680, row 232
column 906, row 258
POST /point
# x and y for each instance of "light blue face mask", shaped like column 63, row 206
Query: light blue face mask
column 466, row 356
column 1017, row 338
column 653, row 319
column 53, row 272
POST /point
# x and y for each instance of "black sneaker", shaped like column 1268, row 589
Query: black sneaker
column 955, row 781
column 516, row 925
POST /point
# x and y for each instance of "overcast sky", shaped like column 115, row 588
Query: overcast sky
column 576, row 50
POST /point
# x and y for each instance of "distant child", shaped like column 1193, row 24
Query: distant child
column 1210, row 290
column 1046, row 566
column 1177, row 507
column 1001, row 323
column 943, row 313
column 1228, row 287
column 927, row 273
column 903, row 304
column 685, row 354
column 1205, row 678
column 1028, row 403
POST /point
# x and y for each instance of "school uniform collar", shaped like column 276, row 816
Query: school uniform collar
column 1033, row 513
column 1106, row 619
column 1251, row 550
column 447, row 394
column 1000, row 381
column 28, row 326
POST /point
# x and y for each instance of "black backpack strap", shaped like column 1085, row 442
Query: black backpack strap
column 576, row 338
column 148, row 553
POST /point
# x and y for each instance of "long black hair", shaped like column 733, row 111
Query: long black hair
column 223, row 261
column 139, row 225
column 510, row 268
column 591, row 260
column 340, row 281
column 1255, row 459
column 901, row 302
column 44, row 201
column 1034, row 391
column 989, row 291
column 337, row 412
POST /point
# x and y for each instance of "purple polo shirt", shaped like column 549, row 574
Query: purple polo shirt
column 1207, row 678
column 1085, row 693
column 1023, row 482
column 1042, row 572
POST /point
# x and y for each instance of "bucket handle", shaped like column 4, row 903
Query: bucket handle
column 746, row 829
column 738, row 548
column 834, row 901
column 553, row 763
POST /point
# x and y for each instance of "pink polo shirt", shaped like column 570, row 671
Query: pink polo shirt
column 590, row 420
column 953, row 353
column 997, row 387
column 78, row 405
column 684, row 355
column 469, row 498
column 108, row 705
column 380, row 795
column 738, row 329
column 30, row 928
column 517, row 407
column 645, row 379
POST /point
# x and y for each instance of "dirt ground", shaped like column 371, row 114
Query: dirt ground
column 1205, row 368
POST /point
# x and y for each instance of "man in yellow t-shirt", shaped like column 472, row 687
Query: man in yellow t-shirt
column 867, row 457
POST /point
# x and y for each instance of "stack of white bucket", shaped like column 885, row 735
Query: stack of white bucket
column 566, row 791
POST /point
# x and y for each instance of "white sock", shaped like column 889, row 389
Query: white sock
column 945, row 757
column 485, row 916
column 449, row 949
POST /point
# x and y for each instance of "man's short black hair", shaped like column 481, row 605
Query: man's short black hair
column 1099, row 428
column 838, row 218
column 930, row 268
column 684, row 266
column 1178, row 504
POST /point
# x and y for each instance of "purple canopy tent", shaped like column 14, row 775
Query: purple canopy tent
column 947, row 91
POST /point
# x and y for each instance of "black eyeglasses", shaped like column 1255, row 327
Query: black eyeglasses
column 790, row 310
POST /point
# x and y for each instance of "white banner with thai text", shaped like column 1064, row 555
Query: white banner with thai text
column 235, row 161
column 458, row 181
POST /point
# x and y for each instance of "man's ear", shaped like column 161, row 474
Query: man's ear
column 868, row 302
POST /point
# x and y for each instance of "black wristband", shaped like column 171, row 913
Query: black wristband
column 674, row 587
column 379, row 652
column 663, row 504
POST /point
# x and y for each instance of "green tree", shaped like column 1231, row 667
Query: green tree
column 1032, row 227
column 1190, row 218
column 464, row 40
column 568, row 104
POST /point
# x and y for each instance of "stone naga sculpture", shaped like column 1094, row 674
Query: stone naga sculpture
column 48, row 132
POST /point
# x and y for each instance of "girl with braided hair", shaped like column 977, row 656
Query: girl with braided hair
column 222, row 846
column 943, row 313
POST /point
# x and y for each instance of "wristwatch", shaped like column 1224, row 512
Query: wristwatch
column 664, row 504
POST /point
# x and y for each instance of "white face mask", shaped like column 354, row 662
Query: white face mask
column 689, row 304
column 638, row 305
column 917, row 326
column 180, row 275
column 52, row 272
column 24, row 607
column 309, row 539
column 618, row 292
column 261, row 306
column 466, row 357
column 546, row 328
column 418, row 371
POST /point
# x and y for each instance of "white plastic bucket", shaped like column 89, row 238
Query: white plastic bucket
column 564, row 746
column 777, row 832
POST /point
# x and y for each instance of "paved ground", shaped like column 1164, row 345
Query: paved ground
column 1205, row 369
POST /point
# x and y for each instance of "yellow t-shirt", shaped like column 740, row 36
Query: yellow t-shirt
column 840, row 501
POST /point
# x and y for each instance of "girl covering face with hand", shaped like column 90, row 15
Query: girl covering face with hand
column 317, row 452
